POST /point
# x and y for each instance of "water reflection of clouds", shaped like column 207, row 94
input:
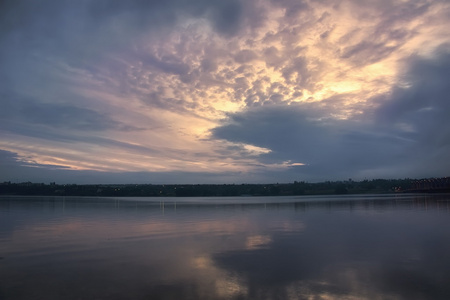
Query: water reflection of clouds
column 116, row 224
column 350, row 257
column 323, row 252
column 32, row 236
column 257, row 242
column 226, row 284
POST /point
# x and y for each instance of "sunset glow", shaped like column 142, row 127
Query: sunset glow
column 228, row 91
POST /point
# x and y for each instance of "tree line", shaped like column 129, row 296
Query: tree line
column 209, row 190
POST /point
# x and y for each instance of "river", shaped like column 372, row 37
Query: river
column 321, row 247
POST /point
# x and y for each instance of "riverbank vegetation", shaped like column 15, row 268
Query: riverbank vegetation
column 201, row 190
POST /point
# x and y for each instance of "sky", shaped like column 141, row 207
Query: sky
column 229, row 91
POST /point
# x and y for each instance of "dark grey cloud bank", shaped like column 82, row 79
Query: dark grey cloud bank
column 407, row 134
column 82, row 33
column 83, row 24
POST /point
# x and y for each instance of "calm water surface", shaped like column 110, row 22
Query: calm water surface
column 350, row 247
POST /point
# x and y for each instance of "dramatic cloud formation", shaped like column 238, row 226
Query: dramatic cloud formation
column 223, row 91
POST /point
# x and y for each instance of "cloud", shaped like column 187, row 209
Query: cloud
column 21, row 169
column 407, row 132
column 297, row 134
column 67, row 117
column 139, row 85
column 419, row 109
column 111, row 21
column 14, row 167
column 245, row 56
column 367, row 52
